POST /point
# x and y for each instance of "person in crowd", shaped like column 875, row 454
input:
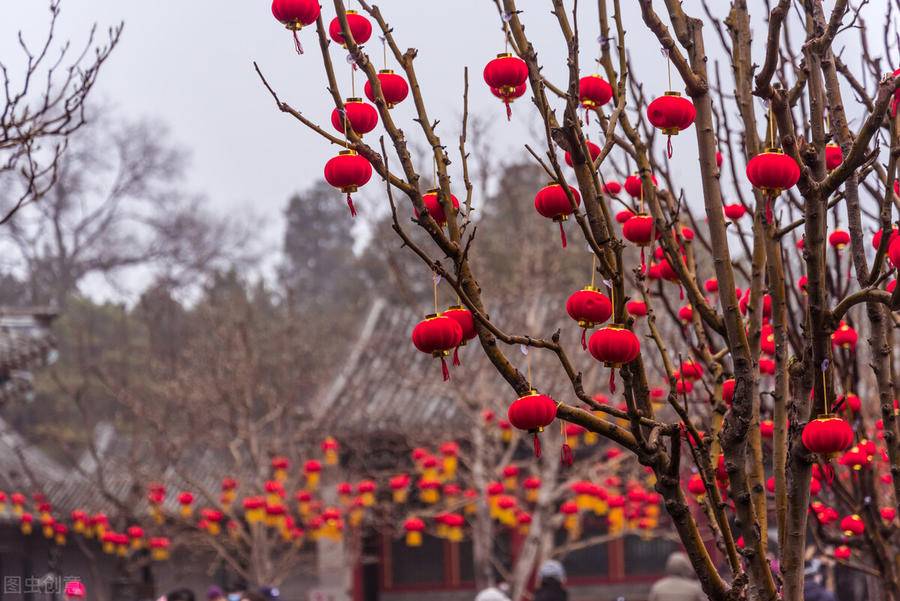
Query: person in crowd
column 254, row 596
column 680, row 582
column 552, row 578
column 181, row 594
column 813, row 588
column 214, row 593
column 491, row 594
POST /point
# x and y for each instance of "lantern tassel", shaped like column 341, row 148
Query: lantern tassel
column 445, row 371
column 643, row 261
column 680, row 292
column 562, row 234
column 297, row 45
column 537, row 445
column 350, row 204
column 584, row 339
column 768, row 209
column 669, row 149
column 828, row 472
column 508, row 110
column 612, row 380
column 456, row 362
column 566, row 457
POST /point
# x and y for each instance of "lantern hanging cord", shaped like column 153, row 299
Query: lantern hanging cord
column 353, row 80
column 593, row 268
column 384, row 50
column 771, row 126
column 528, row 362
column 668, row 66
column 434, row 281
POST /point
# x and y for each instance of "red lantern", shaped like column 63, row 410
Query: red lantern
column 506, row 73
column 347, row 172
column 414, row 528
column 894, row 251
column 589, row 307
column 842, row 553
column 718, row 159
column 876, row 239
column 360, row 29
column 691, row 370
column 393, row 87
column 532, row 413
column 772, row 171
column 636, row 308
column 696, row 486
column 295, row 15
column 437, row 335
column 432, row 203
column 635, row 187
column 614, row 346
column 686, row 314
column 592, row 148
column 361, row 117
column 767, row 428
column 639, row 230
column 834, row 156
column 553, row 203
column 839, row 239
column 827, row 435
column 735, row 211
column 767, row 366
column 466, row 322
column 852, row 525
column 612, row 187
column 594, row 91
column 623, row 216
column 888, row 514
column 802, row 283
column 671, row 113
column 844, row 337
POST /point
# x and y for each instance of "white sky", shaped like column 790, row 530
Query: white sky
column 189, row 64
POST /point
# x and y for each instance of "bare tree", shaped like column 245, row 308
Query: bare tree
column 42, row 107
column 800, row 330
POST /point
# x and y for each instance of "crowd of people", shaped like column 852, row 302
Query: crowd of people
column 215, row 593
column 679, row 584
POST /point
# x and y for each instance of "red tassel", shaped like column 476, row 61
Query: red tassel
column 537, row 446
column 680, row 292
column 350, row 204
column 828, row 472
column 769, row 209
column 584, row 339
column 612, row 380
column 669, row 148
column 643, row 262
column 562, row 234
column 297, row 45
column 445, row 370
column 456, row 357
column 508, row 111
column 566, row 457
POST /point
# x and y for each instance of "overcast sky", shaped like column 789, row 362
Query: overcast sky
column 188, row 63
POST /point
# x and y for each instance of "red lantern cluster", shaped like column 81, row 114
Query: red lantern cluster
column 438, row 335
column 295, row 15
column 671, row 113
column 532, row 413
column 347, row 172
column 393, row 87
column 552, row 202
column 506, row 75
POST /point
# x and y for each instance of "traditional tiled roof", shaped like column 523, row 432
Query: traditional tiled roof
column 386, row 385
column 25, row 345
